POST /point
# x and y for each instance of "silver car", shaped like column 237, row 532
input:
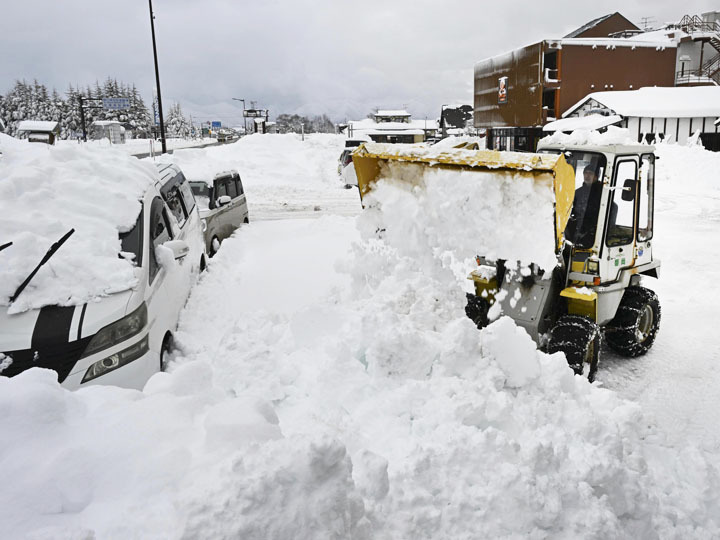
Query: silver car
column 223, row 207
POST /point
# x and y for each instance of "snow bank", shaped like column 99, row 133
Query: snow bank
column 354, row 400
column 44, row 192
column 268, row 160
column 613, row 135
column 181, row 460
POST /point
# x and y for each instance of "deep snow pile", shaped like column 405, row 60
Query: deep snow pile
column 44, row 192
column 280, row 160
column 349, row 401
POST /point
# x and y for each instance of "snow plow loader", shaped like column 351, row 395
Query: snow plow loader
column 588, row 285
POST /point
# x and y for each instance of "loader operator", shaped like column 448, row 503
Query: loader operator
column 583, row 219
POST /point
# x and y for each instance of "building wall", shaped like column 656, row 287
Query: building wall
column 585, row 69
column 674, row 130
column 522, row 67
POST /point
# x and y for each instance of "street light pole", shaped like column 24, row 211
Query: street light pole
column 244, row 119
column 157, row 80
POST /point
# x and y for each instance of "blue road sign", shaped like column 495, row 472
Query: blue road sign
column 216, row 125
column 116, row 103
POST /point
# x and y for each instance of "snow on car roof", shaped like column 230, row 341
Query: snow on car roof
column 659, row 102
column 46, row 191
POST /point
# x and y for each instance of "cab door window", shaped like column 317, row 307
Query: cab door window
column 621, row 213
column 160, row 232
column 241, row 190
column 646, row 189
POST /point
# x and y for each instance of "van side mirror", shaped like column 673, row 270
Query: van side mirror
column 628, row 192
column 223, row 200
column 179, row 248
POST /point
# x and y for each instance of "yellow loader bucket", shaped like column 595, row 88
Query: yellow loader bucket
column 546, row 169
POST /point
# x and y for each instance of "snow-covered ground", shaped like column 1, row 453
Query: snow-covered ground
column 327, row 385
column 143, row 146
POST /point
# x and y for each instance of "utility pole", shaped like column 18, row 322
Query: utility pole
column 157, row 80
column 244, row 119
column 82, row 118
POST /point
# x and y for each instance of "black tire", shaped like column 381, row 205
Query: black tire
column 477, row 309
column 165, row 351
column 632, row 332
column 580, row 339
column 213, row 250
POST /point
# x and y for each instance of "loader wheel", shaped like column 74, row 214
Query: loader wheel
column 579, row 338
column 632, row 332
column 477, row 309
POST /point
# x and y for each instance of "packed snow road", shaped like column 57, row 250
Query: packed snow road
column 327, row 385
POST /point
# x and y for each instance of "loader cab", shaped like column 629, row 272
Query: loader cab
column 610, row 227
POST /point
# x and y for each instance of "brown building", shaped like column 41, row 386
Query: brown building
column 518, row 92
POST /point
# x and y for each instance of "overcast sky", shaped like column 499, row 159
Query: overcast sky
column 338, row 57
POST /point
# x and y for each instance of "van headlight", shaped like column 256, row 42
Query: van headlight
column 117, row 360
column 119, row 331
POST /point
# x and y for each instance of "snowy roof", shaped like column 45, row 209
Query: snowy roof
column 612, row 43
column 38, row 125
column 395, row 132
column 370, row 124
column 593, row 121
column 589, row 25
column 105, row 123
column 392, row 112
column 659, row 102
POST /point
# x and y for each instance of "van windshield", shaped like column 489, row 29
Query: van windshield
column 132, row 241
column 201, row 191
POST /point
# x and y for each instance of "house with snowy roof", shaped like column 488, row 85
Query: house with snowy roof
column 518, row 92
column 39, row 131
column 112, row 130
column 672, row 114
column 392, row 126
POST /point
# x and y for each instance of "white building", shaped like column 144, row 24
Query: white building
column 392, row 126
column 108, row 129
column 39, row 131
column 672, row 114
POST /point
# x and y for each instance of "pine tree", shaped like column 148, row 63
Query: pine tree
column 176, row 124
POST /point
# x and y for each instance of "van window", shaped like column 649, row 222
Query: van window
column 132, row 240
column 173, row 198
column 232, row 188
column 241, row 190
column 220, row 188
column 160, row 232
column 187, row 195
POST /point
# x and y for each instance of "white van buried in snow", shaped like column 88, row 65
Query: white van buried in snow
column 102, row 306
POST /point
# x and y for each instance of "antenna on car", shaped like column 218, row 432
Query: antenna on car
column 45, row 259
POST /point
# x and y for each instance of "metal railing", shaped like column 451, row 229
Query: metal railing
column 696, row 76
column 693, row 23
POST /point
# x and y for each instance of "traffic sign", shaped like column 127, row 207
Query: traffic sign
column 255, row 113
column 216, row 125
column 115, row 104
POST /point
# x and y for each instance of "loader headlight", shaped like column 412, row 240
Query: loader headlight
column 119, row 331
column 117, row 360
column 593, row 266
